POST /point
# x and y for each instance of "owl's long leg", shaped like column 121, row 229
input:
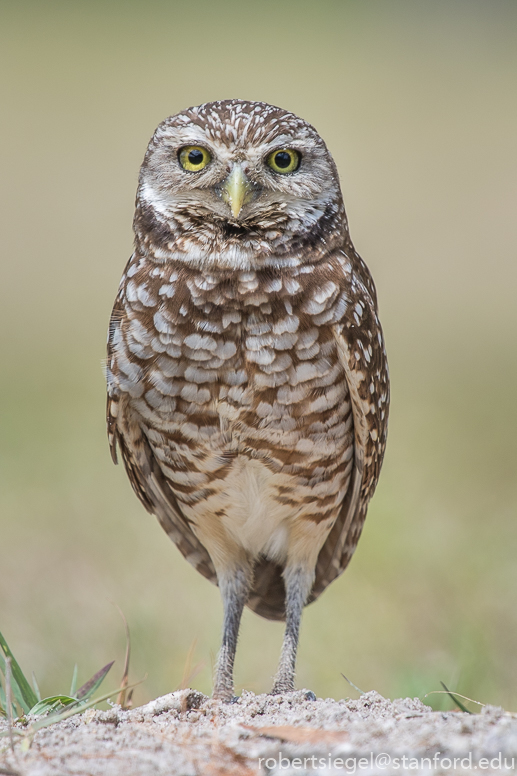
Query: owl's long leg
column 235, row 586
column 298, row 584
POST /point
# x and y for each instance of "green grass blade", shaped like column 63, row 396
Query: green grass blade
column 73, row 686
column 458, row 703
column 70, row 712
column 36, row 686
column 52, row 704
column 78, row 709
column 22, row 690
column 87, row 690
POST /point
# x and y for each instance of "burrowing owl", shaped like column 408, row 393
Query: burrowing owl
column 247, row 376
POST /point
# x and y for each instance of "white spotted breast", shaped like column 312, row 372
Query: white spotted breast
column 222, row 366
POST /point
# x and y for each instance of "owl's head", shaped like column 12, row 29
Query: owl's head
column 237, row 183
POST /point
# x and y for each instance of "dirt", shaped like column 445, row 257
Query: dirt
column 187, row 734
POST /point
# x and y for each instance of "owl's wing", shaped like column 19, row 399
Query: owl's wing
column 150, row 485
column 143, row 469
column 363, row 356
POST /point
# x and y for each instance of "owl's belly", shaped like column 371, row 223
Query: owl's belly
column 258, row 487
column 260, row 512
column 245, row 504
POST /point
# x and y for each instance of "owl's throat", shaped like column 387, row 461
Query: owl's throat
column 206, row 239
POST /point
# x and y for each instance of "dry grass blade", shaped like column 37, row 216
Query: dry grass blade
column 458, row 703
column 186, row 667
column 361, row 692
column 226, row 762
column 188, row 672
column 300, row 735
column 124, row 698
column 454, row 696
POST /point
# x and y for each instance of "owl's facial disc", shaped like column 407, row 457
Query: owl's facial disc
column 234, row 183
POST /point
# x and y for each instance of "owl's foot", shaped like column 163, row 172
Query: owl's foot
column 225, row 695
column 277, row 690
column 280, row 689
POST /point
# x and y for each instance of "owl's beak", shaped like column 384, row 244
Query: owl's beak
column 236, row 190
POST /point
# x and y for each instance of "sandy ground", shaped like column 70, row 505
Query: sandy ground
column 187, row 734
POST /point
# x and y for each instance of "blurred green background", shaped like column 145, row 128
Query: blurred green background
column 416, row 100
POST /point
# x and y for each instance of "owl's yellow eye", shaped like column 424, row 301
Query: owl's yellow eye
column 285, row 160
column 194, row 158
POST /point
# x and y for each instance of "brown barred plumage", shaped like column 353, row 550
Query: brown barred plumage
column 247, row 375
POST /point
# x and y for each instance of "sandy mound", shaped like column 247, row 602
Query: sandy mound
column 187, row 734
